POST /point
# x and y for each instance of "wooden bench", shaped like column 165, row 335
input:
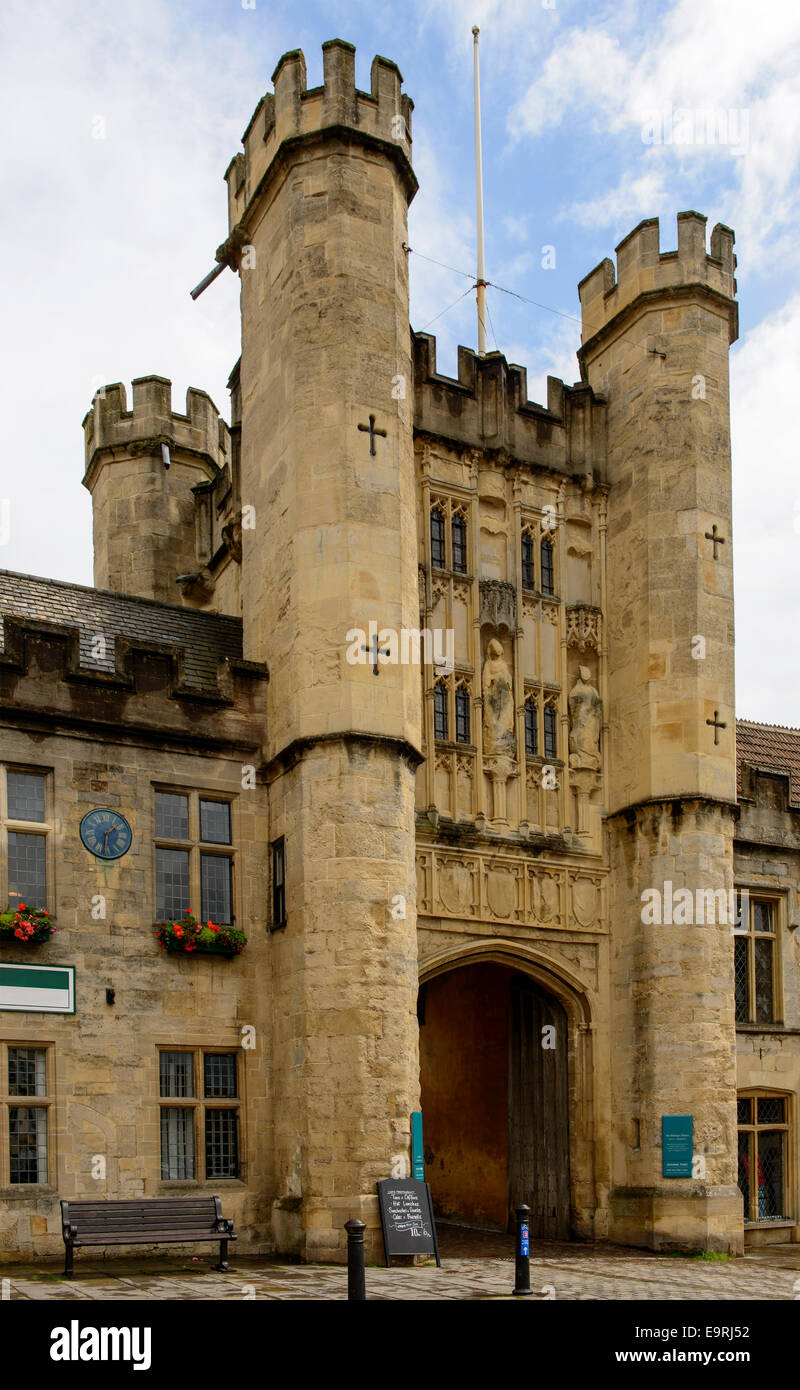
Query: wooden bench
column 155, row 1221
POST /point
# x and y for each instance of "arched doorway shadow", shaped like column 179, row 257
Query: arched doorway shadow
column 503, row 1067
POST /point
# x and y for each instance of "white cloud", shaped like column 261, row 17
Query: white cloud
column 766, row 532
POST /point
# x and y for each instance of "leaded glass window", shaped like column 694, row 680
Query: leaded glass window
column 458, row 532
column 25, row 1100
column 531, row 729
column 437, row 539
column 550, row 741
column 190, row 876
column 754, row 956
column 763, row 1131
column 528, row 573
column 462, row 715
column 440, row 713
column 548, row 578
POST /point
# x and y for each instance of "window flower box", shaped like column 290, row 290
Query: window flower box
column 188, row 937
column 26, row 926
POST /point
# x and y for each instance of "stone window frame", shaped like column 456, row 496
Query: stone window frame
column 547, row 540
column 45, row 829
column 550, row 702
column 463, row 683
column 458, row 512
column 777, row 901
column 442, row 683
column 786, row 1127
column 200, row 1104
column 532, row 700
column 197, row 847
column 277, row 858
column 450, row 507
column 9, row 1102
column 529, row 534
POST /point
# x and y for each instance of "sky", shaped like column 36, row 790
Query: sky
column 119, row 122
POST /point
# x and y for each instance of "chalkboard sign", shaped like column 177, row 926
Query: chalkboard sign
column 407, row 1218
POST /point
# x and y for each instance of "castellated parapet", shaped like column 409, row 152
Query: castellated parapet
column 141, row 466
column 295, row 112
column 488, row 406
column 644, row 271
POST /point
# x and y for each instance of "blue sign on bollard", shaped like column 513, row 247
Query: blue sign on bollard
column 524, row 1248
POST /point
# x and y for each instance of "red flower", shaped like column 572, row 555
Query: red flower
column 190, row 947
column 22, row 908
column 20, row 933
column 179, row 931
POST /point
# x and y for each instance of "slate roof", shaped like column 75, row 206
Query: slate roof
column 205, row 638
column 769, row 746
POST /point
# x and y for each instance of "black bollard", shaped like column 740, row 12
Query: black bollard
column 522, row 1256
column 356, row 1282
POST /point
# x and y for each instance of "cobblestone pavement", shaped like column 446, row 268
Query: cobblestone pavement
column 474, row 1266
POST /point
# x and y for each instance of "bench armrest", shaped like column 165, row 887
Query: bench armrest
column 69, row 1233
column 224, row 1226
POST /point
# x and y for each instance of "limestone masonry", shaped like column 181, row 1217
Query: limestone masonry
column 440, row 872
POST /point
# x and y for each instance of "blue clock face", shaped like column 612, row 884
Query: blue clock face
column 106, row 834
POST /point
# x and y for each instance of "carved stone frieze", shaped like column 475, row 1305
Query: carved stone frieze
column 584, row 628
column 509, row 888
column 498, row 604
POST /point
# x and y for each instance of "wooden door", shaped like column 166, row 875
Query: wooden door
column 538, row 1110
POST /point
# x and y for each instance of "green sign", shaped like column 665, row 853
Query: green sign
column 676, row 1146
column 417, row 1160
column 37, row 989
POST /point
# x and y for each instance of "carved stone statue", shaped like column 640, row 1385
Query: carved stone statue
column 498, row 703
column 585, row 718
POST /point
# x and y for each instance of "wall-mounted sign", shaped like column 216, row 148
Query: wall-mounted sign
column 106, row 834
column 37, row 989
column 676, row 1146
column 417, row 1160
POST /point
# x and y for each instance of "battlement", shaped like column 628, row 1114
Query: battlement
column 110, row 426
column 487, row 407
column 644, row 269
column 295, row 111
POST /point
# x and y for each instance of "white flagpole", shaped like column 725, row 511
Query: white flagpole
column 481, row 276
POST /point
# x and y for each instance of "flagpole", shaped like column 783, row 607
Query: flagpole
column 481, row 276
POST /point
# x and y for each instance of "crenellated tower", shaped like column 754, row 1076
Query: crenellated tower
column 142, row 465
column 655, row 345
column 318, row 203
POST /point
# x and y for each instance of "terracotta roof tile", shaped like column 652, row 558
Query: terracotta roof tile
column 769, row 746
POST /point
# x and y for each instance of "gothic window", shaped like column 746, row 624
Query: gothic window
column 25, row 1099
column 26, row 828
column 550, row 742
column 458, row 532
column 528, row 574
column 279, row 883
column 193, row 857
column 548, row 582
column 754, row 961
column 440, row 712
column 437, row 539
column 531, row 729
column 207, row 1109
column 462, row 715
column 763, row 1129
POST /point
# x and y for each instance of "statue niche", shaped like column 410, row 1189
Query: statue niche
column 498, row 704
column 499, row 739
column 585, row 719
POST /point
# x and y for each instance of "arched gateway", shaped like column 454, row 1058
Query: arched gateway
column 503, row 1082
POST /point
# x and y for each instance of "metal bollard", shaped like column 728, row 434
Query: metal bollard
column 356, row 1282
column 522, row 1254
